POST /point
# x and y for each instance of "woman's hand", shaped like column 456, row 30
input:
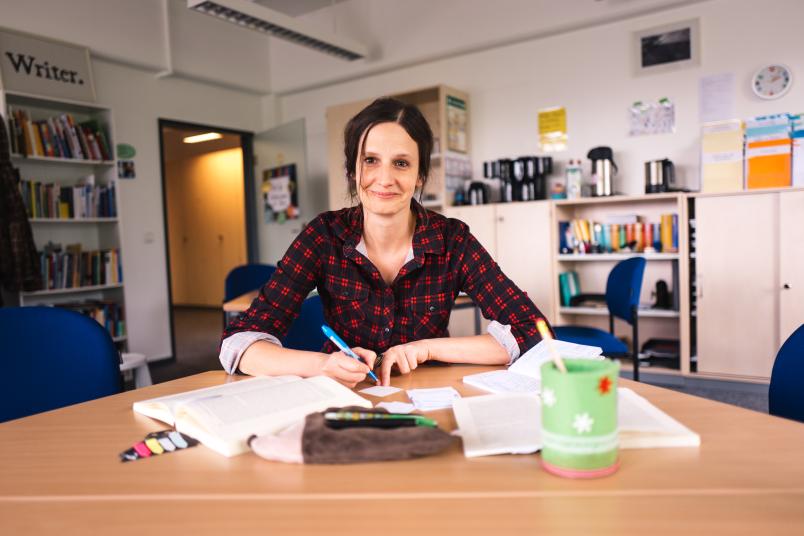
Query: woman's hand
column 348, row 370
column 406, row 357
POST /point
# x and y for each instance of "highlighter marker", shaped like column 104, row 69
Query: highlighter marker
column 154, row 445
column 142, row 450
column 178, row 440
column 166, row 444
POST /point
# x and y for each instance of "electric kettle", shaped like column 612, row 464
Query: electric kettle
column 660, row 176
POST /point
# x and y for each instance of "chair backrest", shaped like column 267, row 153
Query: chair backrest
column 623, row 288
column 53, row 357
column 785, row 395
column 245, row 278
column 305, row 332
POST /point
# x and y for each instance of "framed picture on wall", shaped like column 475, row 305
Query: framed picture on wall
column 668, row 47
column 280, row 196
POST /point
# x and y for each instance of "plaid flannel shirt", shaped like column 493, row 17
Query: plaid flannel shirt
column 367, row 312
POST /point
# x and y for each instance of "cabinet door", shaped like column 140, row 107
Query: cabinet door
column 480, row 219
column 524, row 249
column 791, row 263
column 737, row 284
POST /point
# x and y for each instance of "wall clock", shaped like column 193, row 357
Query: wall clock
column 772, row 81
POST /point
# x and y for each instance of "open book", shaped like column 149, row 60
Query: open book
column 524, row 375
column 511, row 424
column 223, row 417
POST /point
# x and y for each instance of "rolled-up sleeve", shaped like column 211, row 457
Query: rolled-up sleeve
column 234, row 346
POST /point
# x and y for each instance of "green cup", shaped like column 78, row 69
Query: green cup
column 579, row 418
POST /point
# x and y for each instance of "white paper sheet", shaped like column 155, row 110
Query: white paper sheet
column 397, row 407
column 434, row 398
column 499, row 424
column 380, row 390
column 717, row 97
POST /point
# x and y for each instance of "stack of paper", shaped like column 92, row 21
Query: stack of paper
column 768, row 152
column 525, row 374
column 433, row 399
column 797, row 124
column 722, row 156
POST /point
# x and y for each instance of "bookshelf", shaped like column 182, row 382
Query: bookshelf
column 64, row 152
column 593, row 267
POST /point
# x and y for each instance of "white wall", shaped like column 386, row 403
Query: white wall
column 138, row 100
column 590, row 73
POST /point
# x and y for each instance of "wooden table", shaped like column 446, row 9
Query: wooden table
column 237, row 305
column 59, row 473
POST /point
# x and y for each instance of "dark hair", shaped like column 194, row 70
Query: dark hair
column 386, row 110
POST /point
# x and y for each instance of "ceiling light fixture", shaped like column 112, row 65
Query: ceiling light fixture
column 256, row 17
column 198, row 138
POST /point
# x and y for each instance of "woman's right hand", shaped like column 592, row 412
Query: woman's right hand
column 348, row 370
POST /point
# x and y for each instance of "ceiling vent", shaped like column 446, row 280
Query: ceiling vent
column 256, row 17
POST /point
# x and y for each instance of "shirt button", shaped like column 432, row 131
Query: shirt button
column 387, row 330
column 432, row 308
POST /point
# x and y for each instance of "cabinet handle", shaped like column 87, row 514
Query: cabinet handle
column 786, row 286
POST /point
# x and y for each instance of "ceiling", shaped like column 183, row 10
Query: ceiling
column 295, row 8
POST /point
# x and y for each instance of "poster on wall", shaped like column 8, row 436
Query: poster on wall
column 457, row 124
column 46, row 67
column 646, row 118
column 280, row 199
column 553, row 129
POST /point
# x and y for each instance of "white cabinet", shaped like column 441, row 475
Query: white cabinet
column 517, row 236
column 748, row 250
column 791, row 263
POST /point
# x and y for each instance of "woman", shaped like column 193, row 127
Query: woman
column 388, row 272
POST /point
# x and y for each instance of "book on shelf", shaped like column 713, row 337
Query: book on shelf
column 74, row 268
column 57, row 136
column 55, row 201
column 569, row 286
column 627, row 234
column 108, row 314
column 225, row 416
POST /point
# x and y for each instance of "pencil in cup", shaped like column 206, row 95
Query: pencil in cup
column 541, row 325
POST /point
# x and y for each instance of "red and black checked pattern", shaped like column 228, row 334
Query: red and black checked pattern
column 363, row 309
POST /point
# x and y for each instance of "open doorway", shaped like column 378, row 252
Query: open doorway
column 207, row 185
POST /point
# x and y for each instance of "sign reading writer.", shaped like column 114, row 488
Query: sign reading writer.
column 44, row 67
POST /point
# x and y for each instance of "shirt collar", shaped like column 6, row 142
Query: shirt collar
column 427, row 237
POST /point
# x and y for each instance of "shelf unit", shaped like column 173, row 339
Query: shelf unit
column 99, row 233
column 448, row 168
column 593, row 269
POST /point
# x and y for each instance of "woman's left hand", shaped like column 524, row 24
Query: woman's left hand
column 406, row 357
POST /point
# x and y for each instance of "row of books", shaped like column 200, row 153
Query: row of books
column 761, row 152
column 627, row 233
column 57, row 136
column 107, row 313
column 72, row 267
column 51, row 200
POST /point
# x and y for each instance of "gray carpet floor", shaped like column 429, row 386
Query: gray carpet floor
column 198, row 331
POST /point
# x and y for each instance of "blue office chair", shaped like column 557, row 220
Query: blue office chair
column 245, row 278
column 305, row 332
column 622, row 299
column 52, row 358
column 785, row 397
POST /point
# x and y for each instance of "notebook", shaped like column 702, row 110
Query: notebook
column 523, row 376
column 511, row 424
column 223, row 417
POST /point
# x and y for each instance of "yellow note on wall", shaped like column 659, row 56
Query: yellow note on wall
column 553, row 129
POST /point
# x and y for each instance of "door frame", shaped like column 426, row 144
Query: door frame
column 249, row 198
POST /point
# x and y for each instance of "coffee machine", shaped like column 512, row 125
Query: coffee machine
column 660, row 176
column 603, row 170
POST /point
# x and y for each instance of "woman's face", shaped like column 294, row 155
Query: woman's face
column 387, row 173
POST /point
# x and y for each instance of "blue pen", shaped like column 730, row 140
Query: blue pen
column 331, row 335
